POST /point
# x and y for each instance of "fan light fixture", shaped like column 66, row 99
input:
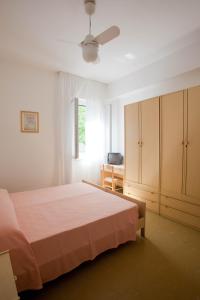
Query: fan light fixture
column 90, row 49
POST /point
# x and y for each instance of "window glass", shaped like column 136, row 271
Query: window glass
column 81, row 128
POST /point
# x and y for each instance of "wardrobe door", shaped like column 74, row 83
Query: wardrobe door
column 172, row 148
column 150, row 142
column 193, row 143
column 131, row 142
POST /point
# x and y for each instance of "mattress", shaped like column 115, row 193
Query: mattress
column 67, row 225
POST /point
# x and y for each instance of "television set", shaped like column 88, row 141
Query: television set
column 115, row 158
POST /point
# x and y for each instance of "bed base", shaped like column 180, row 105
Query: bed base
column 141, row 205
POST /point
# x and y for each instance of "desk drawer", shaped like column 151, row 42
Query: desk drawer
column 181, row 205
column 177, row 215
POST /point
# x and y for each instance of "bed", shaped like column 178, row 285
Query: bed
column 50, row 231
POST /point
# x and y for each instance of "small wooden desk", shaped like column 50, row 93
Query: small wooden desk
column 106, row 171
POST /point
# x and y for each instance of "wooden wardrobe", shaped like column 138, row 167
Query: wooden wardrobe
column 162, row 154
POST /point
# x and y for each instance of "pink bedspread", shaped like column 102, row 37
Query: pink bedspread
column 70, row 224
column 12, row 238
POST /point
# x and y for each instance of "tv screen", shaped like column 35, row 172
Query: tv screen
column 115, row 158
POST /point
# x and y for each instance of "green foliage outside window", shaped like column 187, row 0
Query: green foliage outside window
column 81, row 123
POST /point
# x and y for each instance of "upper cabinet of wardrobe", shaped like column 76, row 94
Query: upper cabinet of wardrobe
column 180, row 144
column 171, row 143
column 192, row 143
column 132, row 142
column 150, row 143
column 142, row 143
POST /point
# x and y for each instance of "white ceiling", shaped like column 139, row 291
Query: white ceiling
column 150, row 30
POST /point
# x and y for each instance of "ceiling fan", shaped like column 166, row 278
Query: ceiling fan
column 90, row 45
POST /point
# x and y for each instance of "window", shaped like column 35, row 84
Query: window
column 81, row 127
column 80, row 121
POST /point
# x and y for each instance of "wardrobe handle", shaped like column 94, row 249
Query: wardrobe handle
column 187, row 144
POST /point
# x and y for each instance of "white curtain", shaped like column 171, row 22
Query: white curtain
column 69, row 87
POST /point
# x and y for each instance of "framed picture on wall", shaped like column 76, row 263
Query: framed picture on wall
column 29, row 121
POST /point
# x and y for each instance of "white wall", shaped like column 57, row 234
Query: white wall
column 184, row 61
column 180, row 82
column 27, row 160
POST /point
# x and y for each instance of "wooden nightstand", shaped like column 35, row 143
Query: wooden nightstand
column 8, row 289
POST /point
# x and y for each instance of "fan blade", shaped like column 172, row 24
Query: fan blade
column 108, row 35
